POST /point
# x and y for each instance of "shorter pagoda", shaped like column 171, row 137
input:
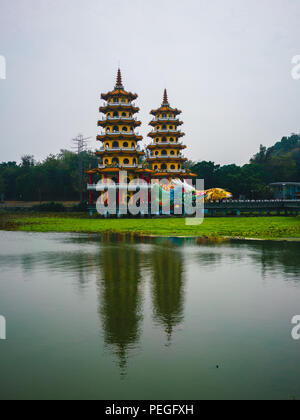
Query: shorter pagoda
column 166, row 159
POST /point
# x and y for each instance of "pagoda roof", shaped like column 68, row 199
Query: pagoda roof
column 123, row 120
column 166, row 146
column 119, row 89
column 160, row 121
column 173, row 133
column 118, row 92
column 114, row 107
column 110, row 136
column 115, row 170
column 175, row 159
column 118, row 152
column 173, row 174
column 165, row 106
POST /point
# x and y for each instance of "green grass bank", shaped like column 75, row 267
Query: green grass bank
column 237, row 227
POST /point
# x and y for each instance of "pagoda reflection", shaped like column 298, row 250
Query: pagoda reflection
column 168, row 287
column 120, row 296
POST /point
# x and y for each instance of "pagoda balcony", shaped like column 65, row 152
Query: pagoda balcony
column 126, row 104
column 166, row 157
column 170, row 170
column 120, row 149
column 167, row 143
column 166, row 131
column 120, row 165
column 165, row 119
column 118, row 133
column 128, row 166
column 175, row 133
column 119, row 118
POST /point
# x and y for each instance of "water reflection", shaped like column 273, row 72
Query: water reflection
column 167, row 287
column 121, row 263
column 120, row 298
column 277, row 257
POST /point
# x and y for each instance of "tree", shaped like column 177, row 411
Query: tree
column 207, row 171
column 27, row 161
column 282, row 168
column 2, row 188
column 261, row 156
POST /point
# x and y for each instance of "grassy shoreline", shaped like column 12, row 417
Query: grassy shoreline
column 272, row 228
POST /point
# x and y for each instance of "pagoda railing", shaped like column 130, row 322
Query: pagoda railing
column 120, row 165
column 127, row 104
column 117, row 133
column 172, row 143
column 166, row 131
column 120, row 149
column 166, row 156
column 165, row 119
column 118, row 118
column 170, row 170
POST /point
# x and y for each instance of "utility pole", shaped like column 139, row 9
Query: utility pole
column 80, row 147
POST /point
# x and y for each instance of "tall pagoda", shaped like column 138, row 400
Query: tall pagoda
column 120, row 150
column 165, row 151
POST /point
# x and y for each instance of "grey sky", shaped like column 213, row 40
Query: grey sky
column 225, row 63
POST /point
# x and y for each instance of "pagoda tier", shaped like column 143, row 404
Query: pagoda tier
column 119, row 135
column 166, row 159
column 118, row 107
column 121, row 151
column 165, row 132
column 165, row 120
column 166, row 145
column 106, row 122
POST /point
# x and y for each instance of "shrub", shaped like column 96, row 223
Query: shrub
column 80, row 207
column 53, row 207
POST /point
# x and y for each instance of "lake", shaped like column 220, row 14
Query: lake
column 121, row 317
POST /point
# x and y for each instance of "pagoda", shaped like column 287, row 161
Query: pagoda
column 120, row 150
column 165, row 152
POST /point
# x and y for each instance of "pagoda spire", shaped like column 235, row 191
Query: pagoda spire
column 119, row 84
column 165, row 98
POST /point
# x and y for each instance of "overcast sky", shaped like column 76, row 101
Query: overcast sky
column 226, row 65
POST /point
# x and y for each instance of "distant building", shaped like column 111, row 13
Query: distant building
column 286, row 190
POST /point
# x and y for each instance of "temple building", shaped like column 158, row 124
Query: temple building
column 120, row 150
column 166, row 159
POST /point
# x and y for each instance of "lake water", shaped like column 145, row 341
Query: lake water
column 114, row 317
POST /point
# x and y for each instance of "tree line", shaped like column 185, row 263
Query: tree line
column 279, row 163
column 62, row 177
column 58, row 178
